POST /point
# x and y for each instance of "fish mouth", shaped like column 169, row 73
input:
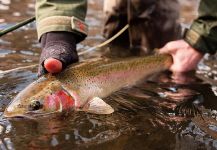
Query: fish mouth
column 17, row 116
column 28, row 115
column 20, row 115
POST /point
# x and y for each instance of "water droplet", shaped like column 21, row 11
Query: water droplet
column 213, row 127
column 162, row 95
column 8, row 143
column 67, row 136
column 54, row 141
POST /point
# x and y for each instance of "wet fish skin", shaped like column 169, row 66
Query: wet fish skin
column 84, row 82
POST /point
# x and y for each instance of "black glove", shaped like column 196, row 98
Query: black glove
column 58, row 45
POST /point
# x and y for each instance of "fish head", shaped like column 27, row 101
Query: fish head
column 44, row 96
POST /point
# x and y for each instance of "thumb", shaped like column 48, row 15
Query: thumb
column 170, row 47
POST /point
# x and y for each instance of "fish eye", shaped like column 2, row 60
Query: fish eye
column 35, row 105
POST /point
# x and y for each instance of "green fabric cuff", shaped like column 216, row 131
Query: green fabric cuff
column 62, row 23
column 200, row 40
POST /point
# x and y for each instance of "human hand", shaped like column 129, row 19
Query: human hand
column 58, row 51
column 185, row 58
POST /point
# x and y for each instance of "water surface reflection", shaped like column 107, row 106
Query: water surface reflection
column 156, row 114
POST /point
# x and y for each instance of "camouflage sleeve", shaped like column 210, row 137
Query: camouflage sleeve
column 203, row 32
column 61, row 15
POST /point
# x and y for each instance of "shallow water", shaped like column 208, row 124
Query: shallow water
column 157, row 114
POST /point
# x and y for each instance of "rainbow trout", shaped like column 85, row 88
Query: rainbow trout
column 81, row 86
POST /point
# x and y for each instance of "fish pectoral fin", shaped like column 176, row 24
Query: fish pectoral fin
column 97, row 106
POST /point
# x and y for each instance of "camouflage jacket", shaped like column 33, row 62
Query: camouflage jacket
column 63, row 15
column 69, row 15
column 203, row 32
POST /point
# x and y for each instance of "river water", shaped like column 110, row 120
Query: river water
column 157, row 114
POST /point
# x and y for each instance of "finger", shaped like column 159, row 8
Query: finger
column 53, row 65
column 171, row 47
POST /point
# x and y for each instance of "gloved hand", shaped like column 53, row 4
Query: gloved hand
column 58, row 51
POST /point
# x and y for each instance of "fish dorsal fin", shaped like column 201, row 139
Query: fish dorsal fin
column 97, row 106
